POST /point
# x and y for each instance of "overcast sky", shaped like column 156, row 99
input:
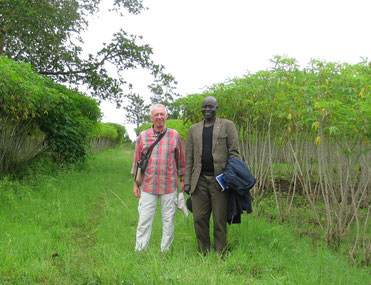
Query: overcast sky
column 202, row 42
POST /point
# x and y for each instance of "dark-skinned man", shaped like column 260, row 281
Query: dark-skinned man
column 209, row 145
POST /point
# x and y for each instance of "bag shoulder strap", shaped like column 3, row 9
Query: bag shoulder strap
column 148, row 154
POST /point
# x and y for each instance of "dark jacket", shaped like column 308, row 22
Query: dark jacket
column 239, row 180
column 225, row 145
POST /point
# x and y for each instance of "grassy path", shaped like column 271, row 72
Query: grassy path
column 79, row 228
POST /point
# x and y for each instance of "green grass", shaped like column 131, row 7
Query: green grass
column 78, row 227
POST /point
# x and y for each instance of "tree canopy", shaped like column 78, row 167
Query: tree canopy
column 46, row 34
column 136, row 110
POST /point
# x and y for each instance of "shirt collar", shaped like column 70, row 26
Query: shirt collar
column 158, row 133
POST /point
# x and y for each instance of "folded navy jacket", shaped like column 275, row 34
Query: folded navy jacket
column 239, row 180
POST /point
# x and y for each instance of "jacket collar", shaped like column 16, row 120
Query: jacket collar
column 216, row 131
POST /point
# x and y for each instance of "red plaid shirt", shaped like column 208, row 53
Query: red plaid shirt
column 165, row 164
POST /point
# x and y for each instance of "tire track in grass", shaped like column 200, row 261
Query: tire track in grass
column 80, row 263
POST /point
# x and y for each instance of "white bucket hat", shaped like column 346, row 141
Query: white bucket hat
column 181, row 204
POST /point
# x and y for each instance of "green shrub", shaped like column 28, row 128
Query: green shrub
column 122, row 135
column 178, row 125
column 65, row 116
column 103, row 130
column 108, row 135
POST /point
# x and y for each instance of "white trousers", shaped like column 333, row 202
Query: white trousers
column 146, row 208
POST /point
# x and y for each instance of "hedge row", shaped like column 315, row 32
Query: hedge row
column 178, row 125
column 66, row 117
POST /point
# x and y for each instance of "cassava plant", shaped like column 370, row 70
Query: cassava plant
column 306, row 131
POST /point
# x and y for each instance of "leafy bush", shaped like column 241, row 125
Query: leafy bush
column 122, row 135
column 178, row 125
column 69, row 126
column 103, row 130
column 30, row 101
column 109, row 135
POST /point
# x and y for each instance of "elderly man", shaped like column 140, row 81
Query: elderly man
column 159, row 180
column 209, row 145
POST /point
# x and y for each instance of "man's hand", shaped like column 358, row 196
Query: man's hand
column 187, row 188
column 136, row 190
column 181, row 187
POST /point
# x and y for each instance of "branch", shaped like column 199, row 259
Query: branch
column 3, row 32
column 72, row 72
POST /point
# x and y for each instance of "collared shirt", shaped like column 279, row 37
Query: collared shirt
column 165, row 164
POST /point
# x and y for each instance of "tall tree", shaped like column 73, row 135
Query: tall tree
column 46, row 33
column 164, row 94
column 136, row 110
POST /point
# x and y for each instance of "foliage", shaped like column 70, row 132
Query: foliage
column 165, row 95
column 46, row 34
column 136, row 111
column 122, row 135
column 335, row 96
column 108, row 135
column 178, row 125
column 68, row 127
column 66, row 117
column 103, row 130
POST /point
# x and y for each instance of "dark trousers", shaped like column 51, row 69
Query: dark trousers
column 208, row 198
